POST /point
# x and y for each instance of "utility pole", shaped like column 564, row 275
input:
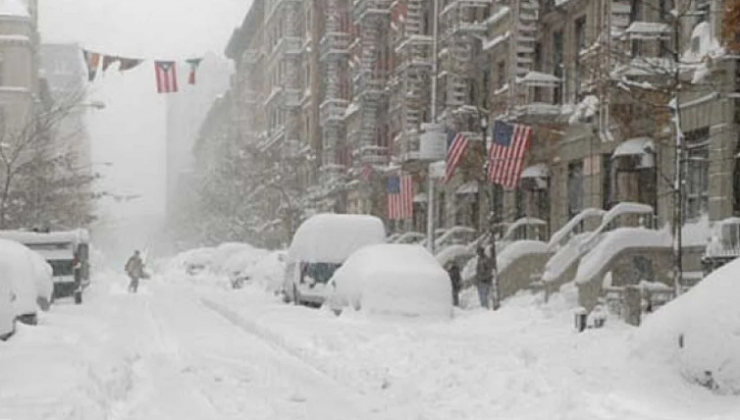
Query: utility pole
column 433, row 115
column 678, row 186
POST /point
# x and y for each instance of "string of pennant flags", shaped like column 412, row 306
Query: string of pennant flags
column 165, row 70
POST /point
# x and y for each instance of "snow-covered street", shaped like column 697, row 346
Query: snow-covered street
column 185, row 349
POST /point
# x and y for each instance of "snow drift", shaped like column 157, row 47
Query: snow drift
column 698, row 334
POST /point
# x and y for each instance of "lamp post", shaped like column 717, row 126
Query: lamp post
column 433, row 118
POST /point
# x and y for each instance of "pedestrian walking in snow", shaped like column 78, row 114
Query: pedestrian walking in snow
column 484, row 278
column 135, row 270
column 454, row 271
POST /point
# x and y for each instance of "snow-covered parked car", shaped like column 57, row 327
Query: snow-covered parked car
column 320, row 246
column 239, row 266
column 30, row 279
column 194, row 261
column 392, row 279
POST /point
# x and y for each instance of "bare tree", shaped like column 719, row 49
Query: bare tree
column 30, row 164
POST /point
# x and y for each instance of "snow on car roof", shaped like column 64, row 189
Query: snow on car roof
column 332, row 238
column 74, row 236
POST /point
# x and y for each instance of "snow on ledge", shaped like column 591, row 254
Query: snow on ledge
column 615, row 242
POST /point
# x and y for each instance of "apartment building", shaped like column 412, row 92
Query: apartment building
column 594, row 79
column 19, row 82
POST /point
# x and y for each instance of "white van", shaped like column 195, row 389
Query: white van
column 320, row 246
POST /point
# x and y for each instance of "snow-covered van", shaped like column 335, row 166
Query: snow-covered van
column 66, row 252
column 320, row 246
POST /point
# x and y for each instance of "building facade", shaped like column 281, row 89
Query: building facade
column 596, row 80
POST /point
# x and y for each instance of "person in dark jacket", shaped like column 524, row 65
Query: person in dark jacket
column 135, row 270
column 456, row 279
column 484, row 278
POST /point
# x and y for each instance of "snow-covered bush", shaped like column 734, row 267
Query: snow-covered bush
column 392, row 279
column 698, row 334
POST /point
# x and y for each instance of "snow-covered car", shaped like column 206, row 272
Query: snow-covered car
column 320, row 246
column 30, row 280
column 7, row 311
column 194, row 261
column 239, row 266
column 392, row 279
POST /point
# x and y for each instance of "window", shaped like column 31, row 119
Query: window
column 697, row 173
column 580, row 45
column 485, row 88
column 500, row 74
column 703, row 8
column 538, row 56
column 575, row 188
column 607, row 183
column 557, row 63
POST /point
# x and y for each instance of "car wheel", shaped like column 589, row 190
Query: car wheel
column 78, row 298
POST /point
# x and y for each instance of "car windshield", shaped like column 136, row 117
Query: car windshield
column 62, row 267
column 320, row 272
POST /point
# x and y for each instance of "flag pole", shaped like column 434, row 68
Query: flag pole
column 433, row 114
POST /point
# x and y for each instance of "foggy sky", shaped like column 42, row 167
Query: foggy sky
column 130, row 132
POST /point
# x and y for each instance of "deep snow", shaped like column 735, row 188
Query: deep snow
column 190, row 349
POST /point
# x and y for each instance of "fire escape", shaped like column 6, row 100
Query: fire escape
column 251, row 97
column 333, row 57
column 373, row 20
column 284, row 60
column 412, row 74
column 463, row 30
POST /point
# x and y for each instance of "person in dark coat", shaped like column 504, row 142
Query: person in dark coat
column 484, row 278
column 456, row 279
column 135, row 270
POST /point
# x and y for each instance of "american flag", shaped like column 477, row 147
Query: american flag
column 166, row 76
column 457, row 144
column 506, row 157
column 400, row 197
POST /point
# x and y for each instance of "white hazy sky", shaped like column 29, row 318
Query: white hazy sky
column 130, row 132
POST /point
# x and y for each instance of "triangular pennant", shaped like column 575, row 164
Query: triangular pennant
column 194, row 63
column 108, row 60
column 128, row 63
column 92, row 60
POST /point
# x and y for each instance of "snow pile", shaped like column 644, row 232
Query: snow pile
column 564, row 258
column 227, row 257
column 240, row 262
column 269, row 270
column 191, row 261
column 331, row 238
column 615, row 242
column 29, row 276
column 392, row 279
column 518, row 250
column 698, row 334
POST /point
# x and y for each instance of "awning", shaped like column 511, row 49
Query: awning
column 642, row 147
column 468, row 188
column 539, row 170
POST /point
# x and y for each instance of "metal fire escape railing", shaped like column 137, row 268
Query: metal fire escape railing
column 463, row 26
column 414, row 55
column 373, row 19
column 333, row 55
column 525, row 14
